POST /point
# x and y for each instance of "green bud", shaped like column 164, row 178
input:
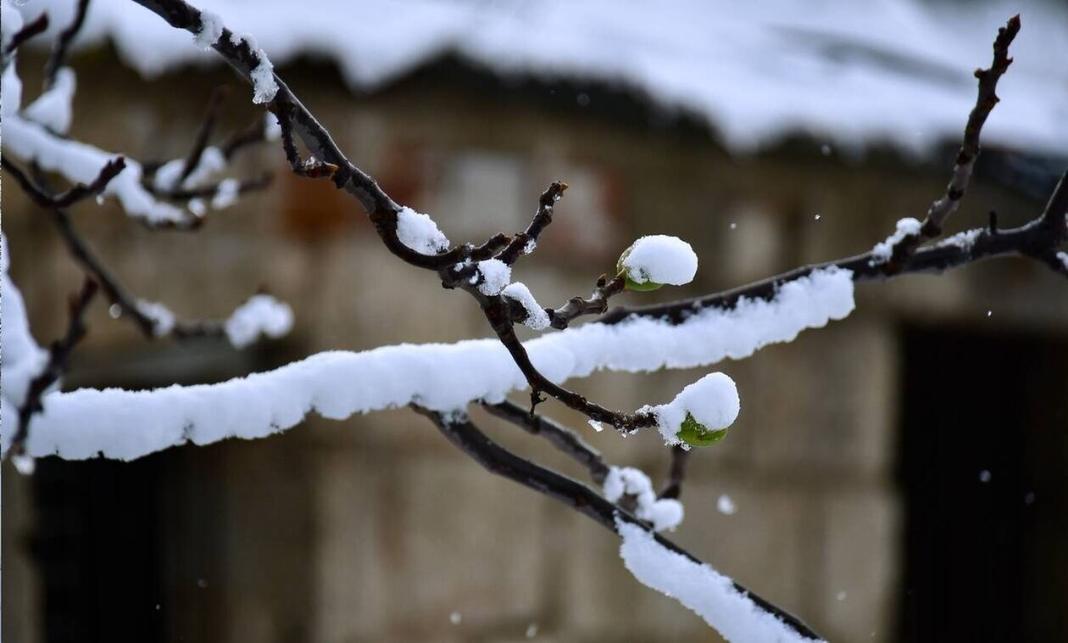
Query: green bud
column 645, row 286
column 696, row 434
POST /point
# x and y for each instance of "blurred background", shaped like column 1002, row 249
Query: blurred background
column 899, row 475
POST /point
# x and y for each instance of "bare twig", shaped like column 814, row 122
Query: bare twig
column 596, row 304
column 29, row 30
column 200, row 141
column 524, row 242
column 58, row 358
column 59, row 50
column 561, row 437
column 498, row 460
column 256, row 132
column 680, row 457
column 985, row 101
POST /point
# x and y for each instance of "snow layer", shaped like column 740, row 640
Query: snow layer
column 53, row 108
column 537, row 318
column 883, row 250
column 211, row 28
column 211, row 162
column 444, row 377
column 664, row 513
column 419, row 232
column 76, row 161
column 846, row 72
column 161, row 316
column 495, row 276
column 712, row 400
column 261, row 314
column 700, row 588
column 1063, row 256
column 660, row 259
column 22, row 359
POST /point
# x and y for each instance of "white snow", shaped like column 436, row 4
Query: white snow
column 495, row 276
column 76, row 161
column 700, row 588
column 660, row 259
column 755, row 72
column 1063, row 256
column 52, row 109
column 22, row 359
column 264, row 86
column 712, row 400
column 261, row 314
column 725, row 505
column 272, row 130
column 161, row 316
column 211, row 28
column 963, row 240
column 197, row 207
column 883, row 250
column 226, row 194
column 337, row 384
column 664, row 513
column 419, row 232
column 211, row 162
column 537, row 318
column 10, row 24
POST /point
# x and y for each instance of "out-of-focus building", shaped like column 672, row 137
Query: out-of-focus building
column 899, row 475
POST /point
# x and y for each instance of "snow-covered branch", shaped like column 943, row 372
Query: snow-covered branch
column 736, row 612
column 441, row 377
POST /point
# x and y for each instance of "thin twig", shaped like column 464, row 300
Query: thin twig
column 986, row 99
column 524, row 242
column 680, row 457
column 596, row 304
column 561, row 437
column 29, row 30
column 63, row 42
column 200, row 141
column 58, row 358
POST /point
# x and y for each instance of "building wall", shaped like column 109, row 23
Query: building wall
column 375, row 528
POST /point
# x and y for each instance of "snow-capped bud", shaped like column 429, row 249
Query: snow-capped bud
column 700, row 414
column 652, row 261
column 696, row 434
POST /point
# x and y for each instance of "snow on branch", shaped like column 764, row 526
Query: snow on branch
column 76, row 161
column 738, row 613
column 706, row 592
column 441, row 377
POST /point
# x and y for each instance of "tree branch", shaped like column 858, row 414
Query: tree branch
column 59, row 357
column 65, row 199
column 39, row 25
column 524, row 242
column 1038, row 239
column 680, row 457
column 561, row 437
column 59, row 50
column 985, row 101
column 463, row 434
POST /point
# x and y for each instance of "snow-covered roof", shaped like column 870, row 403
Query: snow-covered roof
column 896, row 71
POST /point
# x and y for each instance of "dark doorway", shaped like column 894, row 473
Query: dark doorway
column 984, row 469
